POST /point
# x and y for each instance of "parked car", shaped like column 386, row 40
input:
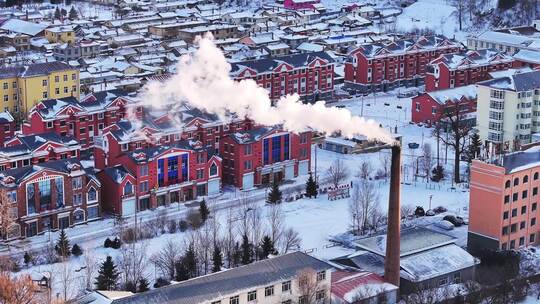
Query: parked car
column 440, row 209
column 456, row 220
column 430, row 213
column 446, row 225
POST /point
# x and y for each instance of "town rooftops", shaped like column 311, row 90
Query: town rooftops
column 23, row 27
column 35, row 69
column 28, row 143
column 454, row 94
column 269, row 64
column 513, row 39
column 62, row 166
column 518, row 82
column 474, row 58
column 399, row 47
column 228, row 282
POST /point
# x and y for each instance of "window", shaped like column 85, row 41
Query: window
column 321, row 275
column 507, row 184
column 522, row 225
column 144, row 170
column 524, row 194
column 92, row 195
column 269, row 291
column 200, row 173
column 507, row 199
column 535, row 177
column 533, row 221
column 44, row 82
column 531, row 238
column 522, row 241
column 505, row 215
column 515, row 197
column 525, row 179
column 252, row 296
column 77, row 199
column 143, row 187
column 516, row 181
column 248, row 149
column 124, row 147
column 505, row 230
column 93, row 212
column 513, row 228
column 213, row 169
column 514, row 212
column 302, row 300
column 286, row 286
column 512, row 244
column 76, row 183
column 535, row 191
column 128, row 188
column 533, row 207
column 320, row 295
column 523, row 209
column 234, row 300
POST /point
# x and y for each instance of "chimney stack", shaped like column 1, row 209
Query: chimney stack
column 391, row 264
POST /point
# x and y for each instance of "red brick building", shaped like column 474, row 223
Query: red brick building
column 26, row 150
column 456, row 70
column 382, row 66
column 83, row 120
column 428, row 107
column 310, row 75
column 51, row 196
column 157, row 176
column 7, row 127
column 263, row 155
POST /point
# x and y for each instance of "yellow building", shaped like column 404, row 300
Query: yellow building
column 60, row 34
column 21, row 87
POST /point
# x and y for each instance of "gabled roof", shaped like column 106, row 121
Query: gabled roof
column 250, row 136
column 518, row 82
column 23, row 27
column 35, row 69
column 454, row 94
column 29, row 143
column 117, row 174
column 61, row 166
column 267, row 65
column 473, row 58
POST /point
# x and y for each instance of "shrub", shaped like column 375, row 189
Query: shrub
column 419, row 211
column 194, row 219
column 108, row 243
column 183, row 225
column 172, row 226
column 160, row 282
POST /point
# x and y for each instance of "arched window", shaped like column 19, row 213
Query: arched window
column 213, row 169
column 525, row 179
column 128, row 188
column 507, row 184
column 78, row 216
column 535, row 176
column 516, row 181
column 92, row 195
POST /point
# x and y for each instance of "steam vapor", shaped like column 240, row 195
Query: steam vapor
column 202, row 81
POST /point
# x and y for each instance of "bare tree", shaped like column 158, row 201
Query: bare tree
column 459, row 130
column 205, row 244
column 165, row 259
column 255, row 224
column 460, row 7
column 291, row 240
column 230, row 237
column 18, row 290
column 64, row 272
column 337, row 172
column 385, row 162
column 133, row 263
column 365, row 170
column 276, row 220
column 245, row 205
column 90, row 266
column 7, row 214
column 308, row 285
column 427, row 160
column 364, row 202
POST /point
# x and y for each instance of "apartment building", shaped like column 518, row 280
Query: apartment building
column 50, row 196
column 263, row 155
column 310, row 75
column 503, row 208
column 456, row 70
column 21, row 87
column 508, row 41
column 383, row 66
column 276, row 280
column 508, row 110
column 60, row 34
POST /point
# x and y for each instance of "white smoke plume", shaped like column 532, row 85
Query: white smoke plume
column 202, row 80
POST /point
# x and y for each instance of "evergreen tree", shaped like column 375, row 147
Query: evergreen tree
column 474, row 147
column 237, row 255
column 62, row 245
column 108, row 243
column 203, row 210
column 73, row 13
column 143, row 285
column 311, row 187
column 181, row 272
column 27, row 258
column 63, row 12
column 217, row 259
column 57, row 13
column 274, row 197
column 267, row 247
column 76, row 250
column 107, row 278
column 246, row 251
column 68, row 2
column 190, row 261
column 116, row 244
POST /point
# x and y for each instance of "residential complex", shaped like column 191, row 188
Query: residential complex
column 508, row 110
column 24, row 86
column 504, row 202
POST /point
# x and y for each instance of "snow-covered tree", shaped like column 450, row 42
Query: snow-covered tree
column 337, row 172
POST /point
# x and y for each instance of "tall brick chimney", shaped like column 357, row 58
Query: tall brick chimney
column 391, row 264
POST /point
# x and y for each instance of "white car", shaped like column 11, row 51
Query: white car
column 446, row 225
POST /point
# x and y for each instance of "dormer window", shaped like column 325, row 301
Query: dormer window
column 213, row 169
column 128, row 188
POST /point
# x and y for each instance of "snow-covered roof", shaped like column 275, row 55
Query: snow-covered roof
column 454, row 94
column 23, row 27
column 529, row 56
column 340, row 141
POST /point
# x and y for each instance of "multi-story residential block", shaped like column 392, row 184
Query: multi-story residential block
column 429, row 107
column 508, row 42
column 382, row 66
column 7, row 127
column 527, row 58
column 503, row 207
column 21, row 87
column 301, row 4
column 157, row 176
column 509, row 110
column 218, row 31
column 281, row 279
column 49, row 196
column 456, row 70
column 60, row 34
column 26, row 150
column 21, row 42
column 264, row 155
column 76, row 51
column 82, row 120
column 310, row 75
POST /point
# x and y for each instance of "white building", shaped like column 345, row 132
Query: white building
column 508, row 110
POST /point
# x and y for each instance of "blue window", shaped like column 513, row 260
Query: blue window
column 59, row 185
column 44, row 194
column 276, row 149
column 266, row 151
column 172, row 165
column 161, row 172
column 185, row 167
column 286, row 147
column 30, row 199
